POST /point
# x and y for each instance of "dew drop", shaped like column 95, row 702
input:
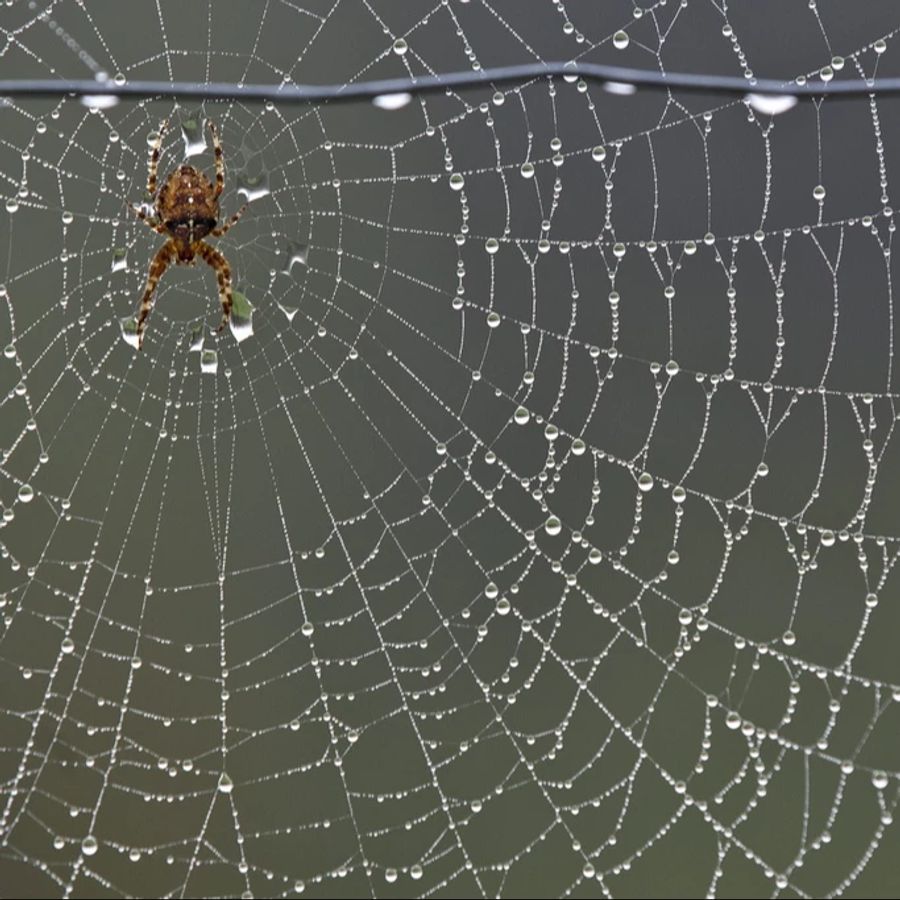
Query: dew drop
column 527, row 170
column 241, row 320
column 521, row 416
column 678, row 494
column 553, row 526
column 400, row 47
column 492, row 245
column 226, row 785
column 457, row 182
column 645, row 482
column 493, row 320
column 67, row 645
column 578, row 447
column 129, row 332
column 392, row 101
column 771, row 104
column 26, row 493
column 621, row 40
column 89, row 845
column 209, row 362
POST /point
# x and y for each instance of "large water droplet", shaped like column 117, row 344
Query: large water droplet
column 621, row 40
column 400, row 46
column 645, row 482
column 457, row 182
column 89, row 845
column 553, row 526
column 226, row 785
column 209, row 362
column 294, row 253
column 128, row 329
column 196, row 339
column 67, row 645
column 620, row 88
column 99, row 101
column 392, row 101
column 194, row 135
column 119, row 260
column 26, row 493
column 771, row 104
column 241, row 320
column 253, row 185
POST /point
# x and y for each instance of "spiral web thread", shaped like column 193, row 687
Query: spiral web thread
column 537, row 537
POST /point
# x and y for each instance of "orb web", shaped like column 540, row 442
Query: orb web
column 533, row 529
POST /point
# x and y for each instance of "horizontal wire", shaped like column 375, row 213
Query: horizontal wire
column 614, row 77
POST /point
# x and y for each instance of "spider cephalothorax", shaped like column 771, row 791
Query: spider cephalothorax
column 186, row 211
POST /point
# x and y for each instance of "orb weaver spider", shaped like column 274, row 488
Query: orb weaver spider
column 186, row 211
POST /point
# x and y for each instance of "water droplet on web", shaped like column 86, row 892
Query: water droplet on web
column 595, row 556
column 527, row 170
column 290, row 312
column 400, row 46
column 493, row 320
column 194, row 135
column 553, row 526
column 645, row 482
column 295, row 253
column 253, row 186
column 67, row 645
column 503, row 606
column 226, row 785
column 620, row 88
column 12, row 205
column 119, row 260
column 598, row 154
column 390, row 875
column 241, row 320
column 621, row 40
column 521, row 416
column 880, row 46
column 492, row 245
column 457, row 182
column 678, row 494
column 89, row 845
column 128, row 330
column 99, row 101
column 209, row 362
column 578, row 447
column 26, row 493
column 392, row 101
column 415, row 872
column 195, row 344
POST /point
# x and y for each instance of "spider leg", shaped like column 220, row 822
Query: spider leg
column 220, row 160
column 223, row 229
column 164, row 256
column 217, row 261
column 149, row 221
column 154, row 158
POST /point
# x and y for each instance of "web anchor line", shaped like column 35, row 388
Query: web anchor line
column 612, row 77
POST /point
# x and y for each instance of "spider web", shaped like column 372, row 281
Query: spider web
column 540, row 539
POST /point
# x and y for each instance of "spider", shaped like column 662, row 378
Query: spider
column 186, row 211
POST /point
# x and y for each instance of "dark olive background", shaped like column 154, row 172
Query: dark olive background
column 177, row 518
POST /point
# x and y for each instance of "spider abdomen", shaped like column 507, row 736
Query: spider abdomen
column 186, row 205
